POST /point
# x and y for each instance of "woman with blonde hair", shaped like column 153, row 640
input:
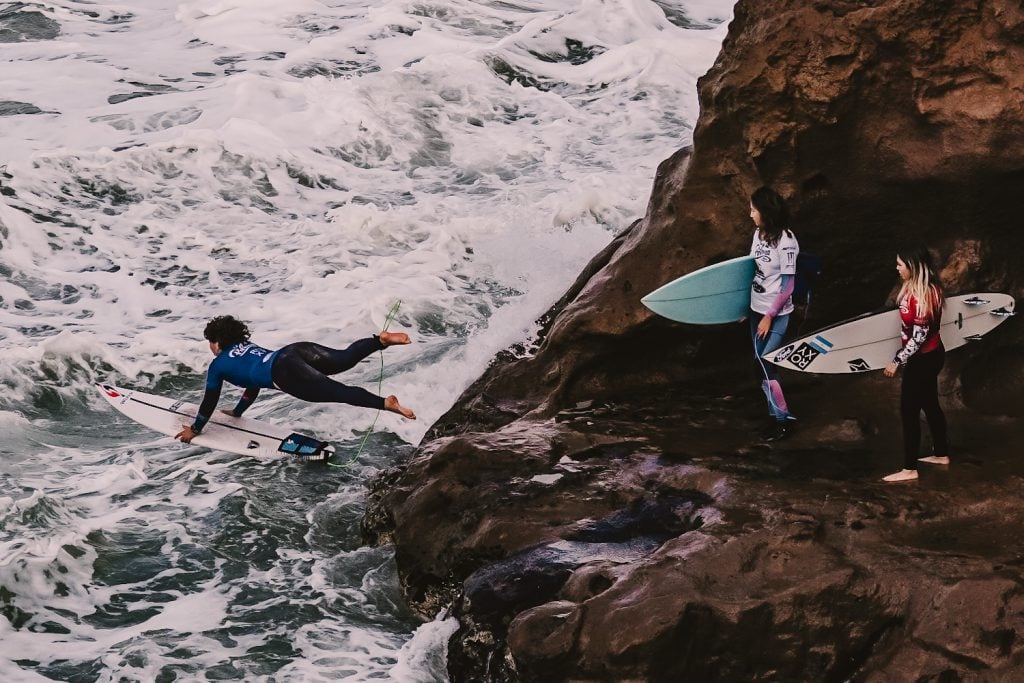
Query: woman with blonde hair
column 922, row 357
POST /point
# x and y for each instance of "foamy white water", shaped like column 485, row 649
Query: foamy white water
column 300, row 165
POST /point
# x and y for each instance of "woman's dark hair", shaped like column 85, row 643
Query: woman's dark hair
column 226, row 331
column 774, row 214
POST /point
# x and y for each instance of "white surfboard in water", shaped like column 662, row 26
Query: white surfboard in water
column 240, row 435
column 871, row 341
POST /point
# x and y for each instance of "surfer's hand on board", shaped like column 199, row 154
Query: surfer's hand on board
column 890, row 369
column 185, row 435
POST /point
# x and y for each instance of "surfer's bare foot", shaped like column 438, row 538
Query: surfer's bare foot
column 902, row 475
column 391, row 404
column 393, row 338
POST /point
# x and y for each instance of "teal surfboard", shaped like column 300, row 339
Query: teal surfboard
column 709, row 296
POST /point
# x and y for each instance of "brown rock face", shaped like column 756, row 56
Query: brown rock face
column 597, row 511
column 884, row 123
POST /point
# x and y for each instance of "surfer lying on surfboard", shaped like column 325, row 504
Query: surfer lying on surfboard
column 300, row 369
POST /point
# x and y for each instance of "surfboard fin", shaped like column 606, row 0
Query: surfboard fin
column 305, row 447
column 973, row 338
column 975, row 301
column 1003, row 312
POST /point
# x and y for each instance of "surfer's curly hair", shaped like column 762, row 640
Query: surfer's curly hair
column 226, row 331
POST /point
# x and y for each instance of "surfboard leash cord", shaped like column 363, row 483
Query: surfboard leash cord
column 392, row 312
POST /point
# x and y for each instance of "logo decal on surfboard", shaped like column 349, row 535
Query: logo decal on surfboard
column 783, row 354
column 804, row 355
column 859, row 365
column 821, row 344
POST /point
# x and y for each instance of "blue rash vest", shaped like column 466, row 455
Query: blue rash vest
column 243, row 364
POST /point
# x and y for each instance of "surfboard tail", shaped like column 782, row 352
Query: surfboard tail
column 305, row 447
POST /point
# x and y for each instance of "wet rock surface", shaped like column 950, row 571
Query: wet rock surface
column 682, row 548
column 602, row 508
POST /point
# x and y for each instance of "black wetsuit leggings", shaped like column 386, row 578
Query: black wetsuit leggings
column 921, row 392
column 301, row 370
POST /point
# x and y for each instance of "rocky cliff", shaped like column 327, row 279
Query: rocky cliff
column 599, row 509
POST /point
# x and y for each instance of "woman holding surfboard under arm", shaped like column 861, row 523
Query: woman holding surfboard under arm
column 775, row 249
column 922, row 357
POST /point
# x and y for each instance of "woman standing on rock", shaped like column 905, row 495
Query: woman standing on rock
column 922, row 357
column 775, row 251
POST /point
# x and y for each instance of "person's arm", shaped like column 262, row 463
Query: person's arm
column 206, row 408
column 788, row 251
column 248, row 398
column 765, row 325
column 918, row 335
column 788, row 284
column 213, row 386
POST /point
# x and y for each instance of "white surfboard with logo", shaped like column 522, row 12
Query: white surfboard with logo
column 871, row 341
column 240, row 435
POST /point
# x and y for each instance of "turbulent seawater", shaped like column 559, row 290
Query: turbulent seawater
column 301, row 165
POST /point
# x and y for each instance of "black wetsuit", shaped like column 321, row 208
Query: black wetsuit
column 300, row 369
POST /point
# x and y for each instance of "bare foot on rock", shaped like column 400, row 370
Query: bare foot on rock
column 391, row 404
column 393, row 338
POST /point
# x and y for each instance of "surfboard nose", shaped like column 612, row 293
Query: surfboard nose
column 714, row 295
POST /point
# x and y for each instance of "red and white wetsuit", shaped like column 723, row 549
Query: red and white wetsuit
column 919, row 334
